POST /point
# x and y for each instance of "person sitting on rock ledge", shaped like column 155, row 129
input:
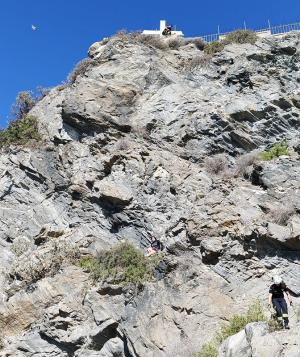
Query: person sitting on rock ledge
column 277, row 300
column 154, row 248
column 167, row 31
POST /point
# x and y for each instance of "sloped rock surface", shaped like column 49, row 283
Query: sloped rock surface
column 256, row 341
column 124, row 157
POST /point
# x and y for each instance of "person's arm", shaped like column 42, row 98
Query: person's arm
column 288, row 296
column 270, row 299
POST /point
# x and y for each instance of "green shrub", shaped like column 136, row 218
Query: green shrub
column 208, row 350
column 20, row 132
column 236, row 324
column 122, row 264
column 213, row 47
column 275, row 151
column 274, row 325
column 25, row 101
column 241, row 36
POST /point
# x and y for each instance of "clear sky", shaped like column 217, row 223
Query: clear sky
column 66, row 28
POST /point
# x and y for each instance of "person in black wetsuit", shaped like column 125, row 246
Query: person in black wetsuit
column 277, row 300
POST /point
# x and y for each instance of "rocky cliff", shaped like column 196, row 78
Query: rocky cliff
column 163, row 143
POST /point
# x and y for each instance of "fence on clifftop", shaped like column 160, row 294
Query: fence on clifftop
column 271, row 30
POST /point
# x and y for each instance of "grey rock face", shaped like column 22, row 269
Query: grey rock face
column 255, row 341
column 124, row 157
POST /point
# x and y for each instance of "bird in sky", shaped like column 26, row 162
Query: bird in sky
column 33, row 27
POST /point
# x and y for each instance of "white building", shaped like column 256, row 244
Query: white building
column 163, row 25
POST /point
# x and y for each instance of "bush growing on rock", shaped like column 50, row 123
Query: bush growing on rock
column 274, row 325
column 208, row 350
column 214, row 47
column 20, row 132
column 25, row 101
column 238, row 36
column 161, row 43
column 150, row 40
column 198, row 42
column 47, row 260
column 21, row 245
column 281, row 214
column 241, row 36
column 238, row 322
column 121, row 264
column 276, row 150
column 123, row 145
column 217, row 164
column 245, row 161
column 203, row 61
column 80, row 69
column 175, row 42
column 255, row 313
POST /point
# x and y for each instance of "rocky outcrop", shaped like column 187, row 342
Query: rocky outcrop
column 125, row 157
column 255, row 341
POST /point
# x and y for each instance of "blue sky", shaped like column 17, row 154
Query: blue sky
column 66, row 28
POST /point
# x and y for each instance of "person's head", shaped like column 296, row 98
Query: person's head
column 277, row 279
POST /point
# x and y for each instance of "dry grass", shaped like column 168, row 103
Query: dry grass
column 175, row 42
column 153, row 41
column 80, row 69
column 203, row 61
column 161, row 43
column 198, row 42
column 281, row 214
column 245, row 162
column 122, row 145
column 213, row 47
column 21, row 245
column 25, row 101
column 45, row 261
column 216, row 164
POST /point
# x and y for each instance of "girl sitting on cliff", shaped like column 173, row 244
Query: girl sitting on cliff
column 154, row 248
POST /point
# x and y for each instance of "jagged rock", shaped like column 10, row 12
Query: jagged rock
column 255, row 341
column 114, row 193
column 124, row 157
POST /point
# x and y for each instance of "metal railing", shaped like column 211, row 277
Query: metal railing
column 273, row 30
